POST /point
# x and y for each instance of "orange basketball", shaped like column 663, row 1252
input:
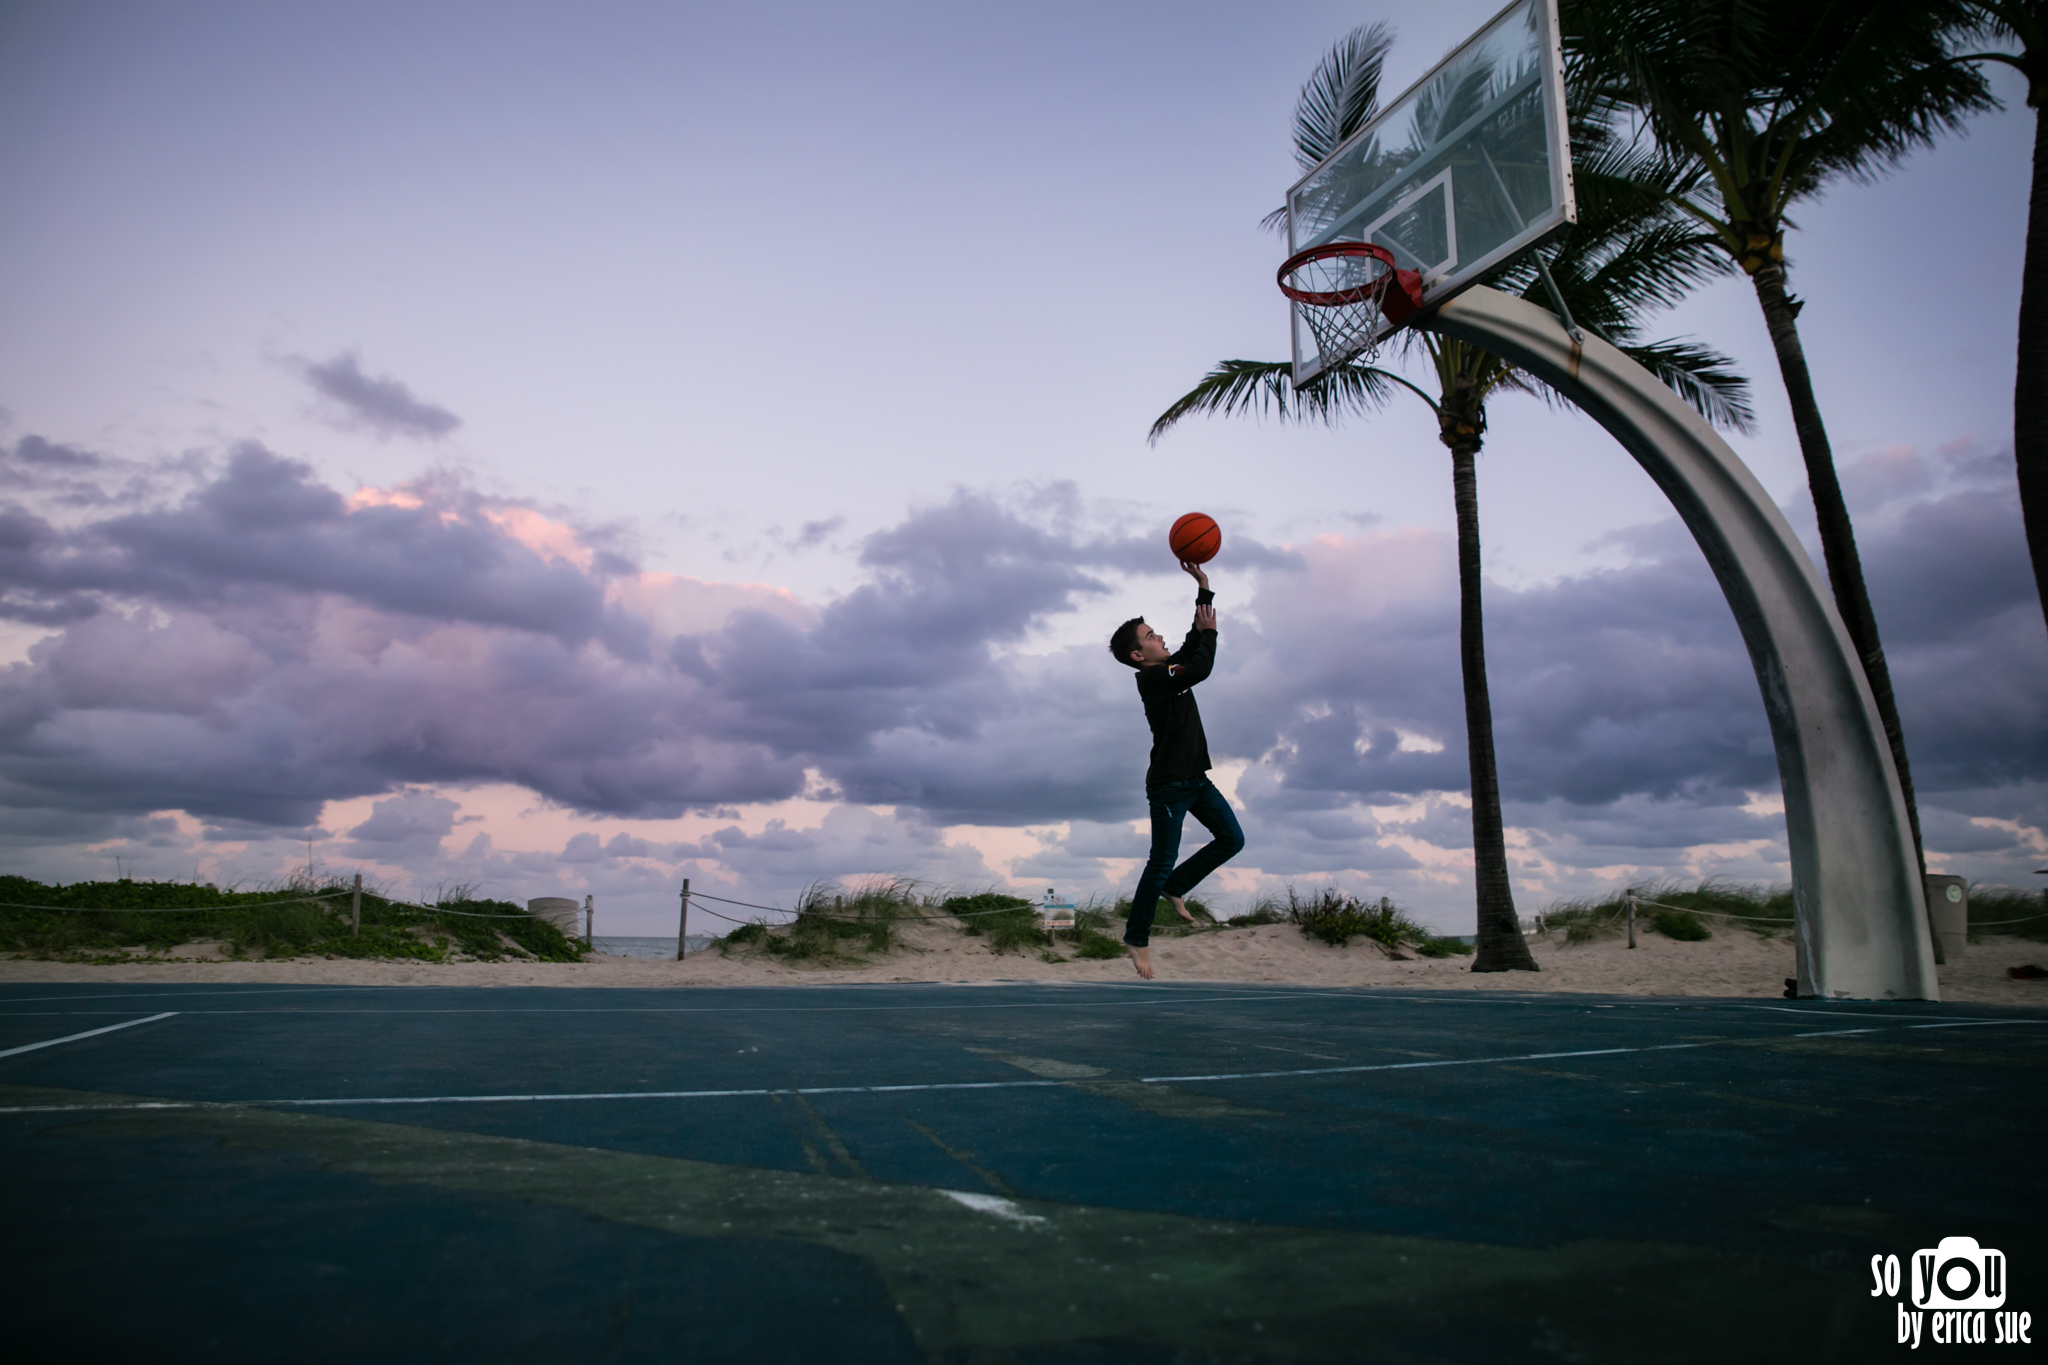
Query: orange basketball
column 1195, row 538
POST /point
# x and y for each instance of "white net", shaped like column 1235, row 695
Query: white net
column 1338, row 297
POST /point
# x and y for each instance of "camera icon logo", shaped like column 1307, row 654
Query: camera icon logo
column 1958, row 1274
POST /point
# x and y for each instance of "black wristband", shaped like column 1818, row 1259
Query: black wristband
column 1204, row 597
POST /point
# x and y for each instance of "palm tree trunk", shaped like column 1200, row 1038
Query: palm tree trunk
column 2030, row 384
column 1501, row 947
column 1837, row 535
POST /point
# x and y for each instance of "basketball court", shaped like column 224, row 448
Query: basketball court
column 1092, row 1173
column 1007, row 1172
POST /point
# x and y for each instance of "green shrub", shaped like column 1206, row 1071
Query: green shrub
column 741, row 937
column 1584, row 921
column 1335, row 917
column 834, row 924
column 1265, row 910
column 1680, row 924
column 1009, row 923
column 280, row 930
column 1444, row 947
column 1091, row 944
column 1164, row 922
column 1015, row 931
column 276, row 921
column 977, row 911
column 1761, row 910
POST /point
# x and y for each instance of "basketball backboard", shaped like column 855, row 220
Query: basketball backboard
column 1469, row 167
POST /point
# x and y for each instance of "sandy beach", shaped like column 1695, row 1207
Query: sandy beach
column 1734, row 963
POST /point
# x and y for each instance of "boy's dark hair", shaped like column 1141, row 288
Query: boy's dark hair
column 1124, row 642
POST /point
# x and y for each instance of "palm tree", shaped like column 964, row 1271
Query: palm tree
column 1760, row 107
column 2025, row 24
column 1629, row 253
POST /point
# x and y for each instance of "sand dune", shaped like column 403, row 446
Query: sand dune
column 1734, row 962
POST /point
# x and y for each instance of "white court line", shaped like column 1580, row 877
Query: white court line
column 1418, row 1066
column 1976, row 1023
column 1148, row 999
column 186, row 995
column 852, row 1089
column 1188, row 986
column 684, row 1094
column 89, row 1033
column 536, row 1099
column 888, row 1089
column 1959, row 1023
column 1849, row 1014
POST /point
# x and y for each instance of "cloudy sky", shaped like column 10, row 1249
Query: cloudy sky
column 562, row 450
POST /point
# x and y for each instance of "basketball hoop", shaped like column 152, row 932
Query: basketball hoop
column 1346, row 290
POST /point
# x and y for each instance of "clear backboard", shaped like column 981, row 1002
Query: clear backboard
column 1469, row 167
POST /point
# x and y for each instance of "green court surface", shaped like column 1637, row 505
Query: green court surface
column 1010, row 1172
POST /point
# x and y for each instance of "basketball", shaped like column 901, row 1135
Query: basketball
column 1195, row 538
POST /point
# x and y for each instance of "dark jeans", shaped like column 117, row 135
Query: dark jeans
column 1171, row 804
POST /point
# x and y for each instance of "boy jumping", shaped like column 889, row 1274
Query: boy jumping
column 1177, row 782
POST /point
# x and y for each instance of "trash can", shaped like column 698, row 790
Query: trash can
column 1948, row 909
column 559, row 911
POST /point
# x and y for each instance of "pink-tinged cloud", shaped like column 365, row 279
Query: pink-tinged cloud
column 258, row 645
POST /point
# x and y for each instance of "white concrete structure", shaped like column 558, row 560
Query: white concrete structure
column 1861, row 914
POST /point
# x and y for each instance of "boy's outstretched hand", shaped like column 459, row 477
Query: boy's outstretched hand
column 1205, row 617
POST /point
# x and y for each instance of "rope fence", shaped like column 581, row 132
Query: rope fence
column 1775, row 919
column 696, row 896
column 1717, row 914
column 249, row 905
column 174, row 909
column 800, row 912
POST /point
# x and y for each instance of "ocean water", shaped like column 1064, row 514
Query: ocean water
column 664, row 947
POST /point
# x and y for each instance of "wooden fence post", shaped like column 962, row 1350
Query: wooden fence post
column 589, row 919
column 355, row 907
column 1631, row 919
column 683, row 929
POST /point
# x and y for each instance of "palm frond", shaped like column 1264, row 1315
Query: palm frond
column 1340, row 96
column 1761, row 104
column 1891, row 91
column 1705, row 379
column 1342, row 93
column 1262, row 387
column 2018, row 22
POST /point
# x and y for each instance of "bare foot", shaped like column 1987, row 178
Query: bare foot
column 1180, row 907
column 1141, row 958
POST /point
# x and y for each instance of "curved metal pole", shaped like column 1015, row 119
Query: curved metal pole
column 1860, row 910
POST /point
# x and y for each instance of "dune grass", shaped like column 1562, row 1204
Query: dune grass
column 1676, row 911
column 1009, row 923
column 837, row 924
column 1013, row 924
column 1165, row 924
column 1766, row 910
column 1998, row 906
column 1335, row 917
column 273, row 921
column 834, row 924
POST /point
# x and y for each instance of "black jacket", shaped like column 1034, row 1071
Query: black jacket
column 1179, row 748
